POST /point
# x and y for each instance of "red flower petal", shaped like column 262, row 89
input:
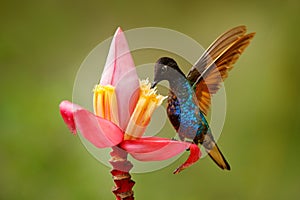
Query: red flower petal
column 66, row 111
column 154, row 148
column 195, row 154
column 120, row 72
column 100, row 132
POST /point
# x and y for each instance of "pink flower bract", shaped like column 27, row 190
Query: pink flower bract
column 120, row 73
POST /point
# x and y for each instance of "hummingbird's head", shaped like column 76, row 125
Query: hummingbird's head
column 165, row 69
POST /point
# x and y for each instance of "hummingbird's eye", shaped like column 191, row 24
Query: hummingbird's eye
column 164, row 68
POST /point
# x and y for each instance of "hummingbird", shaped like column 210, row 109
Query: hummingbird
column 190, row 95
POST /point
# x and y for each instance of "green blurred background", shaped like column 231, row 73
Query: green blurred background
column 42, row 44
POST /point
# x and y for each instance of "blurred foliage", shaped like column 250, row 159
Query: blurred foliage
column 42, row 44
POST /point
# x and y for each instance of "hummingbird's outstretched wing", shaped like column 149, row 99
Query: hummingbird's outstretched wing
column 213, row 66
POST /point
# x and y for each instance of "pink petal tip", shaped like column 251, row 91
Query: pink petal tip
column 120, row 71
column 119, row 60
column 194, row 156
column 66, row 111
column 100, row 132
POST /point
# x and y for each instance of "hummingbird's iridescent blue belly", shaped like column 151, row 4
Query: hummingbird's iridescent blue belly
column 184, row 113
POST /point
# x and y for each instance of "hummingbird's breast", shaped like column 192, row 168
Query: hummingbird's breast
column 184, row 113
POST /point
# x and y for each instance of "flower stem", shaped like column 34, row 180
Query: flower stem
column 120, row 174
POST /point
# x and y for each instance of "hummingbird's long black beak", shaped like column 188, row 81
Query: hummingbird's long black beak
column 154, row 83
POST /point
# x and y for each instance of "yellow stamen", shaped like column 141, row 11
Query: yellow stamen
column 105, row 103
column 140, row 118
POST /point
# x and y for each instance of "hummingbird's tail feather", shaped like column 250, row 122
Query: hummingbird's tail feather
column 218, row 157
